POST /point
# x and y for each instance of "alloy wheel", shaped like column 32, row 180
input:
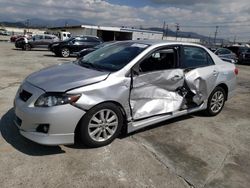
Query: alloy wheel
column 217, row 101
column 65, row 52
column 103, row 125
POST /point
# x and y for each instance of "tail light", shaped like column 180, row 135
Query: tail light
column 236, row 71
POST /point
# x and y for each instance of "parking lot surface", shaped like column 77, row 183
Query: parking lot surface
column 191, row 151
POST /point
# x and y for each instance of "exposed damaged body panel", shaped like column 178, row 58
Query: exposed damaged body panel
column 156, row 93
column 167, row 91
column 201, row 82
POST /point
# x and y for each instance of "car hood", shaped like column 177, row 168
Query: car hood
column 61, row 78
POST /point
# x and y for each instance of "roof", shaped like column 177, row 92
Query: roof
column 162, row 42
column 109, row 28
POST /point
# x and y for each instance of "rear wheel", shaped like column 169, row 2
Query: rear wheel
column 101, row 125
column 27, row 47
column 65, row 52
column 216, row 101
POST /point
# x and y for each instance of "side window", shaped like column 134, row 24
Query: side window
column 48, row 37
column 91, row 39
column 81, row 40
column 196, row 57
column 38, row 37
column 223, row 51
column 159, row 60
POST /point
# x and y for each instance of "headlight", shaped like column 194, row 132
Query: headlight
column 55, row 99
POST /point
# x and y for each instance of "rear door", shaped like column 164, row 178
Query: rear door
column 37, row 41
column 155, row 81
column 200, row 72
column 47, row 40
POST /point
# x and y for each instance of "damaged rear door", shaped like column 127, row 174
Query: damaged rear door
column 155, row 84
column 200, row 74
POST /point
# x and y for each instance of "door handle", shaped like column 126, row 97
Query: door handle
column 176, row 77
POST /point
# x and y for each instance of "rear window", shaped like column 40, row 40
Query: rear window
column 196, row 57
column 48, row 37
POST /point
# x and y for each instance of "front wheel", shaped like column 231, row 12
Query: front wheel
column 65, row 52
column 101, row 125
column 27, row 47
column 216, row 101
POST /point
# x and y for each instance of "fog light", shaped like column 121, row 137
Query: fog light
column 43, row 128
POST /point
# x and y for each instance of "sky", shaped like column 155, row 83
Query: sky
column 201, row 16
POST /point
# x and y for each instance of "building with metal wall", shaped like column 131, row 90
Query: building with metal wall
column 117, row 33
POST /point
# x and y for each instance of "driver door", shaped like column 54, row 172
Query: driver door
column 155, row 83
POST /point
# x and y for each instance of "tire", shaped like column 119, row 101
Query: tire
column 27, row 47
column 216, row 101
column 101, row 125
column 65, row 52
column 57, row 54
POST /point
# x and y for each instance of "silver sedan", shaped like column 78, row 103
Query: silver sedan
column 129, row 85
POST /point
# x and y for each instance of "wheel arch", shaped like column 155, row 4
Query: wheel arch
column 225, row 87
column 124, row 126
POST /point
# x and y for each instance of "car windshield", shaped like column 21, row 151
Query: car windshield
column 112, row 57
column 103, row 44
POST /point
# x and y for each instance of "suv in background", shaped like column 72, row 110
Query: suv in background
column 73, row 45
column 36, row 41
column 243, row 53
column 245, row 56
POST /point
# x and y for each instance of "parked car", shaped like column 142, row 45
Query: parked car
column 129, row 85
column 4, row 32
column 13, row 38
column 242, row 53
column 228, row 60
column 226, row 55
column 86, row 51
column 245, row 56
column 36, row 41
column 75, row 44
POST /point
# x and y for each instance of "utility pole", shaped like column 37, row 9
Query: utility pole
column 234, row 39
column 215, row 34
column 177, row 29
column 163, row 32
column 167, row 31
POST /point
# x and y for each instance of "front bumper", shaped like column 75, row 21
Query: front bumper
column 62, row 119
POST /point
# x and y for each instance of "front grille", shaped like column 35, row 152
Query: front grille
column 24, row 95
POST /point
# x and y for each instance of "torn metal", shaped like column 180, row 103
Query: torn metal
column 166, row 91
column 200, row 82
column 156, row 93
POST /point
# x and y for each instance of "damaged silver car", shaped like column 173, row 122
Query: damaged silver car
column 129, row 85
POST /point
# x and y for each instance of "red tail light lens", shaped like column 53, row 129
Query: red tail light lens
column 236, row 71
